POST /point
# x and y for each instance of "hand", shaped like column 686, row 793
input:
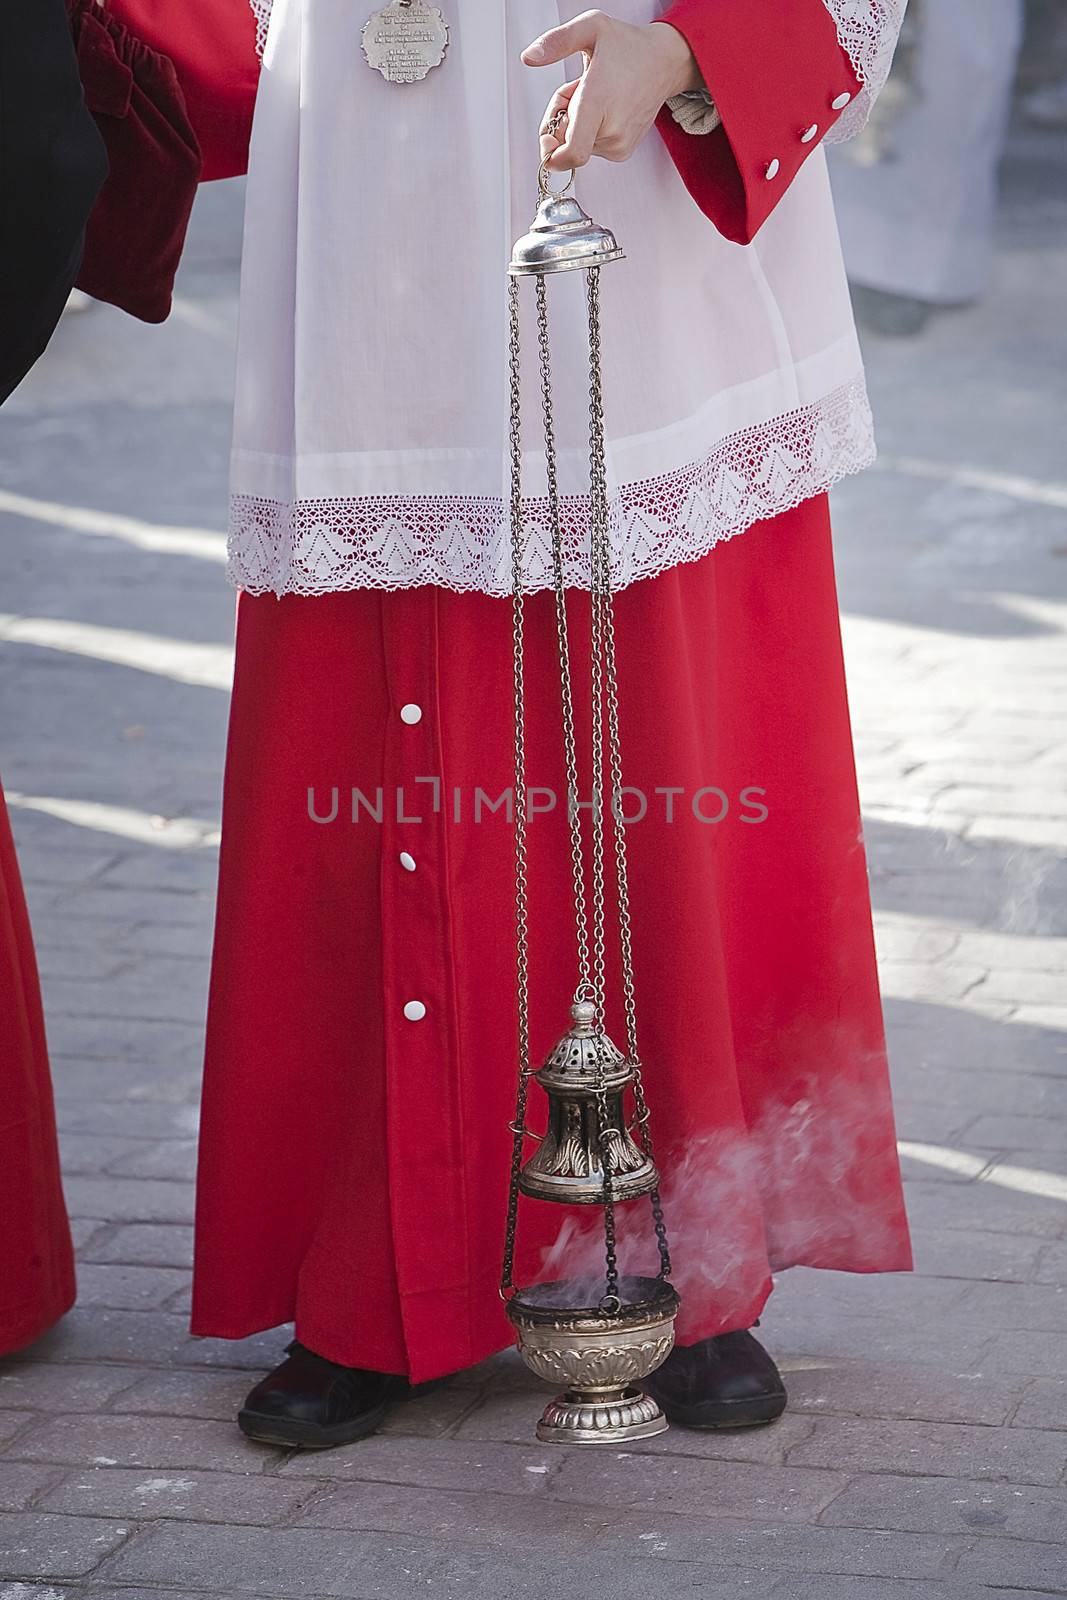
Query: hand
column 629, row 73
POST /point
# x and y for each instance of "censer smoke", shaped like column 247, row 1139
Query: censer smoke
column 598, row 1346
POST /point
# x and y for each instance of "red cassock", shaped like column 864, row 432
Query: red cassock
column 361, row 1050
column 36, row 1260
column 354, row 1162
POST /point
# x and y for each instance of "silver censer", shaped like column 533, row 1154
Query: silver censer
column 597, row 1338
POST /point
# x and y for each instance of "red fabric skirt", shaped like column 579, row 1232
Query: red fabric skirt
column 36, row 1260
column 354, row 1161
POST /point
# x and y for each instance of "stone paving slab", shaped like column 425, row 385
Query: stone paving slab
column 922, row 1394
column 182, row 1393
column 950, row 1505
column 189, row 1495
column 40, row 1545
column 482, row 1466
column 150, row 1337
column 46, row 1388
column 1044, row 1405
column 924, row 1455
column 1021, row 1456
column 133, row 1440
column 1036, row 1354
column 974, row 1256
column 698, row 1488
column 131, row 1288
column 305, row 1561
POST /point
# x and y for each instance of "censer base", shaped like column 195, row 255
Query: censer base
column 585, row 1418
column 599, row 1356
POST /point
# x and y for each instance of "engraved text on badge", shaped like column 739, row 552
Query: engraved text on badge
column 405, row 41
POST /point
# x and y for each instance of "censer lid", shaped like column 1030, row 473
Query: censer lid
column 562, row 237
column 585, row 1057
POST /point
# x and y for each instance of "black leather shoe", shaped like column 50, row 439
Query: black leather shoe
column 726, row 1382
column 313, row 1404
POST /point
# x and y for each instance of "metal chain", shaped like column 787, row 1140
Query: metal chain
column 570, row 753
column 597, row 510
column 522, row 942
column 604, row 605
column 605, row 706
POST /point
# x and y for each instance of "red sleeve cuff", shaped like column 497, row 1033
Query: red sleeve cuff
column 212, row 44
column 780, row 79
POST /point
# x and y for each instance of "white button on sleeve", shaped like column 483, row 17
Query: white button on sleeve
column 407, row 861
column 414, row 1010
column 411, row 714
column 809, row 133
column 773, row 168
column 841, row 102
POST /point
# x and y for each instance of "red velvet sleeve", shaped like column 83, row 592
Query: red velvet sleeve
column 213, row 46
column 779, row 79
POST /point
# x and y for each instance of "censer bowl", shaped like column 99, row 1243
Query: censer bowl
column 599, row 1356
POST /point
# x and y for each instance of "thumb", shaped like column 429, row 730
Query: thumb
column 570, row 39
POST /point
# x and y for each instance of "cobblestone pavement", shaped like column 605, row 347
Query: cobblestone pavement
column 923, row 1453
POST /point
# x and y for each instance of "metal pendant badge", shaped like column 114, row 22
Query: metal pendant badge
column 406, row 40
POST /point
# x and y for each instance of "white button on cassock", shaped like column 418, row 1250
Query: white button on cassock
column 809, row 133
column 411, row 714
column 414, row 1010
column 841, row 102
column 407, row 862
column 773, row 168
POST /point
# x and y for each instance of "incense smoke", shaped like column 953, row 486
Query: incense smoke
column 811, row 1182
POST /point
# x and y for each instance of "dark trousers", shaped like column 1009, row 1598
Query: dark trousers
column 52, row 164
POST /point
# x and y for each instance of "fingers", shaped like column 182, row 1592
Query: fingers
column 585, row 114
column 569, row 40
column 554, row 123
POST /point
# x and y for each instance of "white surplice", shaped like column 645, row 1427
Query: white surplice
column 371, row 424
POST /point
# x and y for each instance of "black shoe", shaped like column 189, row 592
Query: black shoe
column 313, row 1404
column 726, row 1382
column 894, row 316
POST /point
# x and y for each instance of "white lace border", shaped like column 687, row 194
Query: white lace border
column 867, row 31
column 323, row 546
